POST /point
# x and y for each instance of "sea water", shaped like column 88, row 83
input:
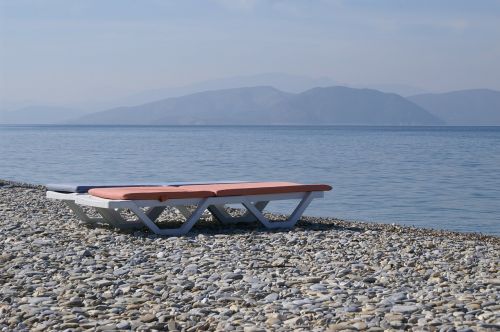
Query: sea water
column 438, row 177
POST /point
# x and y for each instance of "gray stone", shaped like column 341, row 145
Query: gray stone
column 85, row 253
column 123, row 325
column 75, row 302
column 318, row 287
column 103, row 283
column 271, row 297
column 232, row 276
column 404, row 309
column 370, row 280
column 352, row 309
column 148, row 318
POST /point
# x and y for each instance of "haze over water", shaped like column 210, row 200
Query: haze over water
column 439, row 177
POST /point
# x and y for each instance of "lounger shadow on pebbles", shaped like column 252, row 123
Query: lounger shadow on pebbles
column 148, row 202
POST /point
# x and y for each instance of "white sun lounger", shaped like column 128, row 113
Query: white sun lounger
column 113, row 217
column 68, row 192
column 148, row 210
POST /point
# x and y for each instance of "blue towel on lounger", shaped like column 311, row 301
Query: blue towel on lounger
column 84, row 188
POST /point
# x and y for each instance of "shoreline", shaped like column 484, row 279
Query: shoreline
column 325, row 274
column 346, row 223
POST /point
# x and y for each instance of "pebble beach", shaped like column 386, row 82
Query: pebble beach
column 57, row 273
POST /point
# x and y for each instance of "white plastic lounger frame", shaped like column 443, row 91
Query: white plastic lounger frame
column 255, row 204
column 107, row 216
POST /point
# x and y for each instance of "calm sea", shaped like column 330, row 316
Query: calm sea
column 439, row 177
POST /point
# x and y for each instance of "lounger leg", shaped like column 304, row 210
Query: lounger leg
column 249, row 217
column 219, row 212
column 110, row 217
column 80, row 213
column 183, row 210
column 154, row 212
column 186, row 226
column 290, row 222
column 299, row 210
column 114, row 218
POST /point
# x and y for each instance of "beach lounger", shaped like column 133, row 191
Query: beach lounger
column 147, row 203
column 68, row 192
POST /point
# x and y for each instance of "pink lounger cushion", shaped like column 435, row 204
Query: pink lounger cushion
column 149, row 193
column 201, row 191
column 258, row 188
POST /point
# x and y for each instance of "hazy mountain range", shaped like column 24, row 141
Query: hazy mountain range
column 295, row 103
column 479, row 107
column 281, row 81
column 348, row 106
column 268, row 105
column 40, row 115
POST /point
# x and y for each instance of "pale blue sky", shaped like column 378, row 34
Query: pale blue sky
column 60, row 51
